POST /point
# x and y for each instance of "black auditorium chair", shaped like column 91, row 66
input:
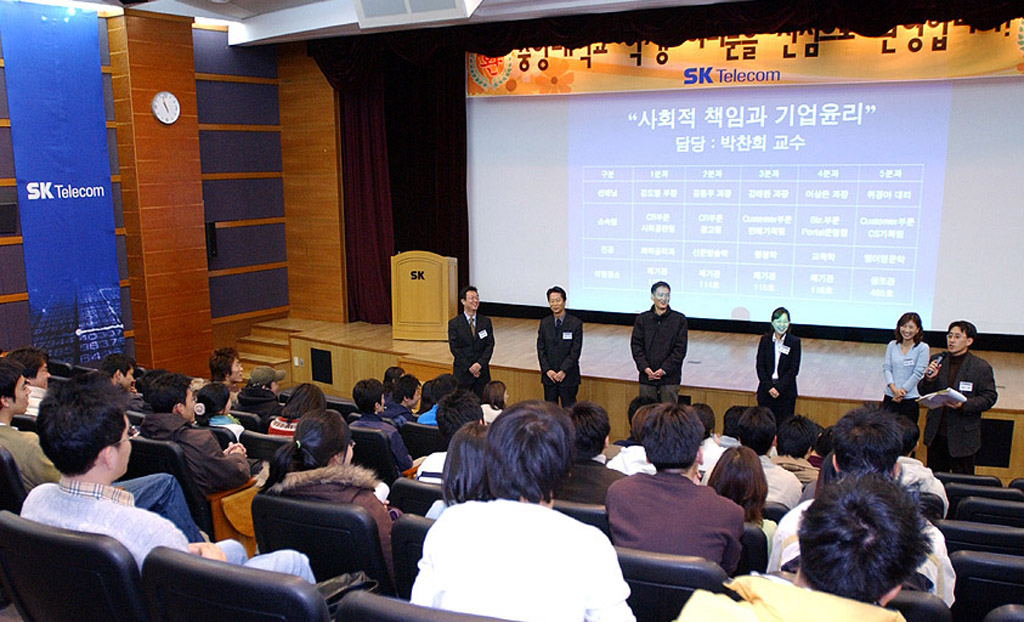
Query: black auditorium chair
column 1006, row 613
column 421, row 439
column 337, row 537
column 368, row 607
column 920, row 607
column 135, row 417
column 995, row 511
column 407, row 536
column 972, row 480
column 351, row 418
column 1018, row 483
column 25, row 423
column 589, row 514
column 971, row 536
column 985, row 581
column 660, row 584
column 412, row 496
column 224, row 436
column 179, row 587
column 373, row 451
column 754, row 553
column 774, row 511
column 932, row 506
column 151, row 456
column 56, row 574
column 248, row 421
column 58, row 368
column 262, row 446
column 12, row 489
column 957, row 492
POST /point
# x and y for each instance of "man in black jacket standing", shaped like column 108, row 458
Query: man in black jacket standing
column 471, row 341
column 559, row 343
column 659, row 346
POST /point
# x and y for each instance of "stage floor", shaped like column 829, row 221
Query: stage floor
column 840, row 370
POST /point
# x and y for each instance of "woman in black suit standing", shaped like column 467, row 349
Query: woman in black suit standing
column 778, row 363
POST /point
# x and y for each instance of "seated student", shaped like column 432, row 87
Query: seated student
column 455, row 410
column 226, row 368
column 795, row 442
column 213, row 469
column 404, row 394
column 757, row 431
column 494, row 399
column 738, row 476
column 560, row 569
column 259, row 395
column 464, row 476
column 709, row 447
column 305, row 398
column 426, row 399
column 34, row 368
column 440, row 387
column 369, row 398
column 391, row 375
column 121, row 371
column 213, row 405
column 914, row 475
column 863, row 538
column 84, row 431
column 159, row 492
column 669, row 512
column 142, row 385
column 589, row 478
column 866, row 441
column 632, row 459
column 317, row 465
column 730, row 437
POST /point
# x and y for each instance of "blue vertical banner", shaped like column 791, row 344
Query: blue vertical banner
column 59, row 135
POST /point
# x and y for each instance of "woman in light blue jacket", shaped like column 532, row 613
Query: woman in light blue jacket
column 906, row 358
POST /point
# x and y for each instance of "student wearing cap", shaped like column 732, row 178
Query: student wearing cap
column 259, row 396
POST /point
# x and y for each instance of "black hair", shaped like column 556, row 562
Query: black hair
column 968, row 329
column 757, row 429
column 590, row 422
column 636, row 403
column 10, row 373
column 404, row 388
column 465, row 473
column 910, row 316
column 455, row 410
column 305, row 398
column 530, row 450
column 443, row 385
column 658, row 284
column 391, row 374
column 707, row 417
column 671, row 435
column 860, row 538
column 731, row 421
column 823, row 445
column 221, row 362
column 796, row 436
column 866, row 440
column 494, row 394
column 367, row 395
column 30, row 359
column 426, row 397
column 777, row 313
column 465, row 291
column 910, row 434
column 143, row 381
column 78, row 419
column 214, row 397
column 319, row 436
column 113, row 363
column 167, row 390
column 557, row 290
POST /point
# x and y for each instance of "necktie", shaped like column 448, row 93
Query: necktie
column 558, row 323
column 472, row 324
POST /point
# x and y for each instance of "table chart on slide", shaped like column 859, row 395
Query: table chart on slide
column 807, row 231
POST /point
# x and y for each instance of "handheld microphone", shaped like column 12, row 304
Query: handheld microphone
column 940, row 359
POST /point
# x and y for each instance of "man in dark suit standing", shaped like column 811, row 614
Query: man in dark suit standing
column 953, row 432
column 659, row 346
column 559, row 342
column 471, row 341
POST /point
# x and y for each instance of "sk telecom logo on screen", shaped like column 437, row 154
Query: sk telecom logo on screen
column 44, row 190
column 711, row 75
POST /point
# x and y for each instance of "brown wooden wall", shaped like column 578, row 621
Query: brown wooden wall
column 161, row 191
column 314, row 224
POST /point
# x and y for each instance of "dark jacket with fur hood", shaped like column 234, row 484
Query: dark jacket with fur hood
column 341, row 483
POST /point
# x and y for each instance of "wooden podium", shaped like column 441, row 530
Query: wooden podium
column 424, row 295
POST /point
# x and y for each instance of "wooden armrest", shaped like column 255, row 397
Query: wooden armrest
column 216, row 496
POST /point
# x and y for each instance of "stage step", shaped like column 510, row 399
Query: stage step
column 265, row 346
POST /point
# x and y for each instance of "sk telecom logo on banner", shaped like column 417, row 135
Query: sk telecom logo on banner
column 43, row 190
column 705, row 75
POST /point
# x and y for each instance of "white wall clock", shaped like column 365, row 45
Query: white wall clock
column 166, row 108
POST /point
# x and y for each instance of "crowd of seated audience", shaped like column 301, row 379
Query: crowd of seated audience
column 673, row 486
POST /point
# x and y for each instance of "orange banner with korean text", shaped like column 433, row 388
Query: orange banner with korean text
column 932, row 51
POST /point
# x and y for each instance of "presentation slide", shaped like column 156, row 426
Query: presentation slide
column 848, row 204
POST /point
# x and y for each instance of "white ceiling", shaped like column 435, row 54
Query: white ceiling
column 276, row 21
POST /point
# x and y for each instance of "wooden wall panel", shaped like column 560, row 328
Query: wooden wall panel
column 314, row 224
column 161, row 192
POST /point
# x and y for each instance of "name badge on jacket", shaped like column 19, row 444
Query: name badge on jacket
column 784, row 349
column 567, row 335
column 483, row 334
column 908, row 362
column 966, row 387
